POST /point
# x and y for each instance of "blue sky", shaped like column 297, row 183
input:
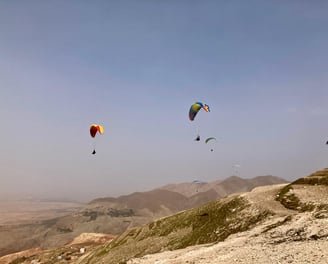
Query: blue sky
column 136, row 67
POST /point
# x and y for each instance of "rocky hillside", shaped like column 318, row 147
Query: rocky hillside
column 116, row 215
column 284, row 223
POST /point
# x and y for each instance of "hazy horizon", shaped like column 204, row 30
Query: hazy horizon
column 85, row 198
column 136, row 67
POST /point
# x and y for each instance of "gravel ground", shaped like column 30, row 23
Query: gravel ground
column 253, row 246
column 240, row 251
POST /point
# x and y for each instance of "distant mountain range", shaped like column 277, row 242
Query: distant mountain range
column 172, row 198
column 223, row 187
column 116, row 215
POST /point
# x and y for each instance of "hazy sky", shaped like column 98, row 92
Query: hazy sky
column 136, row 67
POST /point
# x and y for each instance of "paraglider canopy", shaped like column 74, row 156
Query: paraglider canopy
column 195, row 108
column 197, row 181
column 94, row 128
column 209, row 139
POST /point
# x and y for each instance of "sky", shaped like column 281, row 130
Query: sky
column 136, row 67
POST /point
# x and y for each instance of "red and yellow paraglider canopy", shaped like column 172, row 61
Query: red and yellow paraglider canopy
column 94, row 128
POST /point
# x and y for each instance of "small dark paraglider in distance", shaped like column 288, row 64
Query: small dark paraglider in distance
column 208, row 140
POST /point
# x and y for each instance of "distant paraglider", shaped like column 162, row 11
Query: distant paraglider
column 94, row 129
column 194, row 109
column 198, row 184
column 210, row 139
column 236, row 169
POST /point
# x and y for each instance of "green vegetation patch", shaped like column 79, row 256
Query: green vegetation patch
column 288, row 199
column 314, row 180
column 18, row 260
column 318, row 178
